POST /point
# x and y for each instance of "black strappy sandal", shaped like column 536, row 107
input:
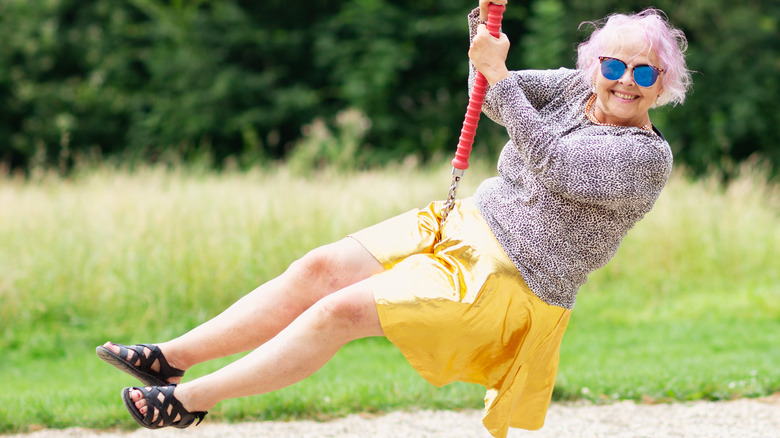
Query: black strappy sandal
column 165, row 410
column 143, row 371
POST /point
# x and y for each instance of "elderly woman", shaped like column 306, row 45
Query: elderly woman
column 484, row 296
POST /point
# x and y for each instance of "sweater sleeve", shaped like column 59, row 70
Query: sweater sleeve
column 536, row 84
column 608, row 166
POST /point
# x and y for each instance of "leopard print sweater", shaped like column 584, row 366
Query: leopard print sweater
column 567, row 190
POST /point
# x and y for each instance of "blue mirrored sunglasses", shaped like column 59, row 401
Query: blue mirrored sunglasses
column 614, row 69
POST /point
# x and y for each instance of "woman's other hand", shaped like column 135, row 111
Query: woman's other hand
column 483, row 7
column 489, row 53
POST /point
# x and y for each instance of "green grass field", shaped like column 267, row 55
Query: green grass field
column 689, row 309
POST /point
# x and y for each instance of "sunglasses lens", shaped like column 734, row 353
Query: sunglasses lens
column 612, row 69
column 645, row 76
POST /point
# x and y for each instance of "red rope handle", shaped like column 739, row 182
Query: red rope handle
column 466, row 140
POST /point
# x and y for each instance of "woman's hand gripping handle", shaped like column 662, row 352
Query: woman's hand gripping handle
column 461, row 161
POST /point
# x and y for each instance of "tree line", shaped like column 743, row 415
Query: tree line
column 245, row 81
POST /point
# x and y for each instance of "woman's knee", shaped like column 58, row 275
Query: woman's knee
column 349, row 313
column 317, row 269
column 335, row 266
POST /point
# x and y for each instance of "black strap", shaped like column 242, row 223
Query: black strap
column 167, row 409
column 145, row 362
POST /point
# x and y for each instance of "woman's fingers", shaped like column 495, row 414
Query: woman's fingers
column 489, row 54
column 483, row 7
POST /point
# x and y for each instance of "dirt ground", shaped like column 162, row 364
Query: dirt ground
column 745, row 418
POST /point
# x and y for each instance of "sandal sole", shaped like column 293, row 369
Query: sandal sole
column 123, row 365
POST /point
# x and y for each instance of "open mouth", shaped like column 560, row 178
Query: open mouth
column 625, row 96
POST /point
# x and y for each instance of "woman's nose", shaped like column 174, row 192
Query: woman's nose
column 628, row 77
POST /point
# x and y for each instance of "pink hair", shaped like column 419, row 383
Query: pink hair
column 668, row 44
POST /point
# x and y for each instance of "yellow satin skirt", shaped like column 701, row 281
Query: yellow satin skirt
column 458, row 309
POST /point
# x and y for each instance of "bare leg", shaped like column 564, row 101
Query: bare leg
column 264, row 312
column 294, row 354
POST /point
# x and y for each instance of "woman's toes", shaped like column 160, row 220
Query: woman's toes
column 116, row 350
column 139, row 401
column 112, row 347
column 136, row 396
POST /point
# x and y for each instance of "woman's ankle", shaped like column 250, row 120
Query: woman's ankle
column 176, row 357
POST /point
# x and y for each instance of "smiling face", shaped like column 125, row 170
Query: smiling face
column 623, row 102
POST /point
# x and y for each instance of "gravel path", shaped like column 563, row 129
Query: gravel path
column 758, row 418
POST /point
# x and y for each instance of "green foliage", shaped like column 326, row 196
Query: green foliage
column 322, row 149
column 404, row 65
column 235, row 81
column 545, row 46
column 733, row 112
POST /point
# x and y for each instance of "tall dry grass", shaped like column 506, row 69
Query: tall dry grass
column 689, row 308
column 109, row 251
